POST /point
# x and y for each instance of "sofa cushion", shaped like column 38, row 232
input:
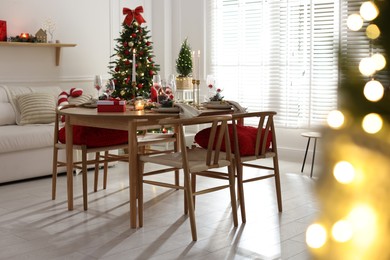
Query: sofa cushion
column 36, row 108
column 15, row 91
column 18, row 138
column 7, row 113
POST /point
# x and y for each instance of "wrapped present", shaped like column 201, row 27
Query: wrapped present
column 3, row 31
column 111, row 105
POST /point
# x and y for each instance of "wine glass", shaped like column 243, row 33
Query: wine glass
column 98, row 84
column 172, row 85
column 156, row 87
column 210, row 82
column 110, row 87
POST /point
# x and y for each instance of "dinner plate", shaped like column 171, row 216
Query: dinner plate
column 166, row 109
column 89, row 105
column 217, row 106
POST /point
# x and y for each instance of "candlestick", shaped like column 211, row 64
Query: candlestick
column 193, row 91
column 197, row 94
column 133, row 72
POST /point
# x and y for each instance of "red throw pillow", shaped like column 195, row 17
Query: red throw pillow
column 95, row 137
column 246, row 139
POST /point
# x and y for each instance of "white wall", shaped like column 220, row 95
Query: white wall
column 93, row 25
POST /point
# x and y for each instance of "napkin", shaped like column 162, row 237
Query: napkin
column 237, row 107
column 187, row 111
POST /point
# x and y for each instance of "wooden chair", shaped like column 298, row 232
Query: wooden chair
column 263, row 137
column 84, row 162
column 193, row 161
column 103, row 156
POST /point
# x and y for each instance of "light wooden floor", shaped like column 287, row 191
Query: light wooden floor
column 32, row 226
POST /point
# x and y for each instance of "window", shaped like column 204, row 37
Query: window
column 277, row 55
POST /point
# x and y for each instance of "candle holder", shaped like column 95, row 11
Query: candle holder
column 139, row 103
column 195, row 92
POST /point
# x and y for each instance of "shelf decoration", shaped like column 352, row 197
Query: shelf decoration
column 3, row 31
column 49, row 26
column 41, row 35
column 24, row 37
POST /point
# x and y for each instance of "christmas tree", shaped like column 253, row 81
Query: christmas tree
column 134, row 61
column 184, row 62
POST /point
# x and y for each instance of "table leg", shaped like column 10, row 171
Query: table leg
column 69, row 161
column 304, row 159
column 133, row 172
column 314, row 155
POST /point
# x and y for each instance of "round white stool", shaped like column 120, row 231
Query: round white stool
column 310, row 135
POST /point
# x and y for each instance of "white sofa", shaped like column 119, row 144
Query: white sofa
column 27, row 131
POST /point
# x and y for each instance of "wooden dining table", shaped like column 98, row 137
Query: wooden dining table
column 130, row 121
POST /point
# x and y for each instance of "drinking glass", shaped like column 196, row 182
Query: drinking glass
column 110, row 87
column 210, row 82
column 156, row 88
column 98, row 84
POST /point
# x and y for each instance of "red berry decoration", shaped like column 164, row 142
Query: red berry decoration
column 133, row 35
column 127, row 62
column 125, row 44
column 148, row 43
column 210, row 86
column 127, row 52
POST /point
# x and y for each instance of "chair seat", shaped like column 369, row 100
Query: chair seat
column 196, row 160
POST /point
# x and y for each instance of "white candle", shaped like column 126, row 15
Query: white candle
column 193, row 65
column 198, row 69
column 133, row 76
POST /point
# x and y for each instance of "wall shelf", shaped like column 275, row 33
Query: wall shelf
column 57, row 47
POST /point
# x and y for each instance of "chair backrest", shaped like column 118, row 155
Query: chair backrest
column 265, row 134
column 218, row 133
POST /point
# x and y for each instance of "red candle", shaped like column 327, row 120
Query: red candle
column 24, row 35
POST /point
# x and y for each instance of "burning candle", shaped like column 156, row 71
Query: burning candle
column 24, row 35
column 198, row 69
column 193, row 65
column 133, row 73
column 139, row 104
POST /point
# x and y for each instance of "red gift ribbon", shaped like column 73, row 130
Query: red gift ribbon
column 133, row 14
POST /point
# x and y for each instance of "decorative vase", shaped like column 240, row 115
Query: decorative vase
column 183, row 83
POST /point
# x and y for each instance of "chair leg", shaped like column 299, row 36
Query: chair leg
column 140, row 193
column 96, row 176
column 84, row 173
column 54, row 174
column 277, row 183
column 240, row 188
column 233, row 194
column 193, row 187
column 190, row 203
column 304, row 158
column 105, row 171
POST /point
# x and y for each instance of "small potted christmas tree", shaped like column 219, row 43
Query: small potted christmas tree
column 184, row 67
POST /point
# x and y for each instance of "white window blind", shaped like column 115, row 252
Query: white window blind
column 277, row 55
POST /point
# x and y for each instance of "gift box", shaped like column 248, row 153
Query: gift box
column 111, row 106
column 3, row 31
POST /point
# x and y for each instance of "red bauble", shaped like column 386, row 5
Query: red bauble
column 125, row 44
column 148, row 43
column 151, row 72
column 127, row 52
column 127, row 62
column 141, row 53
column 139, row 86
column 133, row 35
column 116, row 69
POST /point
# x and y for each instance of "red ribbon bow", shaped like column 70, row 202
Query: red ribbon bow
column 133, row 14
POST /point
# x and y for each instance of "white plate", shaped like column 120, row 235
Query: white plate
column 166, row 109
column 217, row 106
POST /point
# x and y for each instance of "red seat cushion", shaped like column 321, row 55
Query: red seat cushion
column 95, row 137
column 246, row 139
